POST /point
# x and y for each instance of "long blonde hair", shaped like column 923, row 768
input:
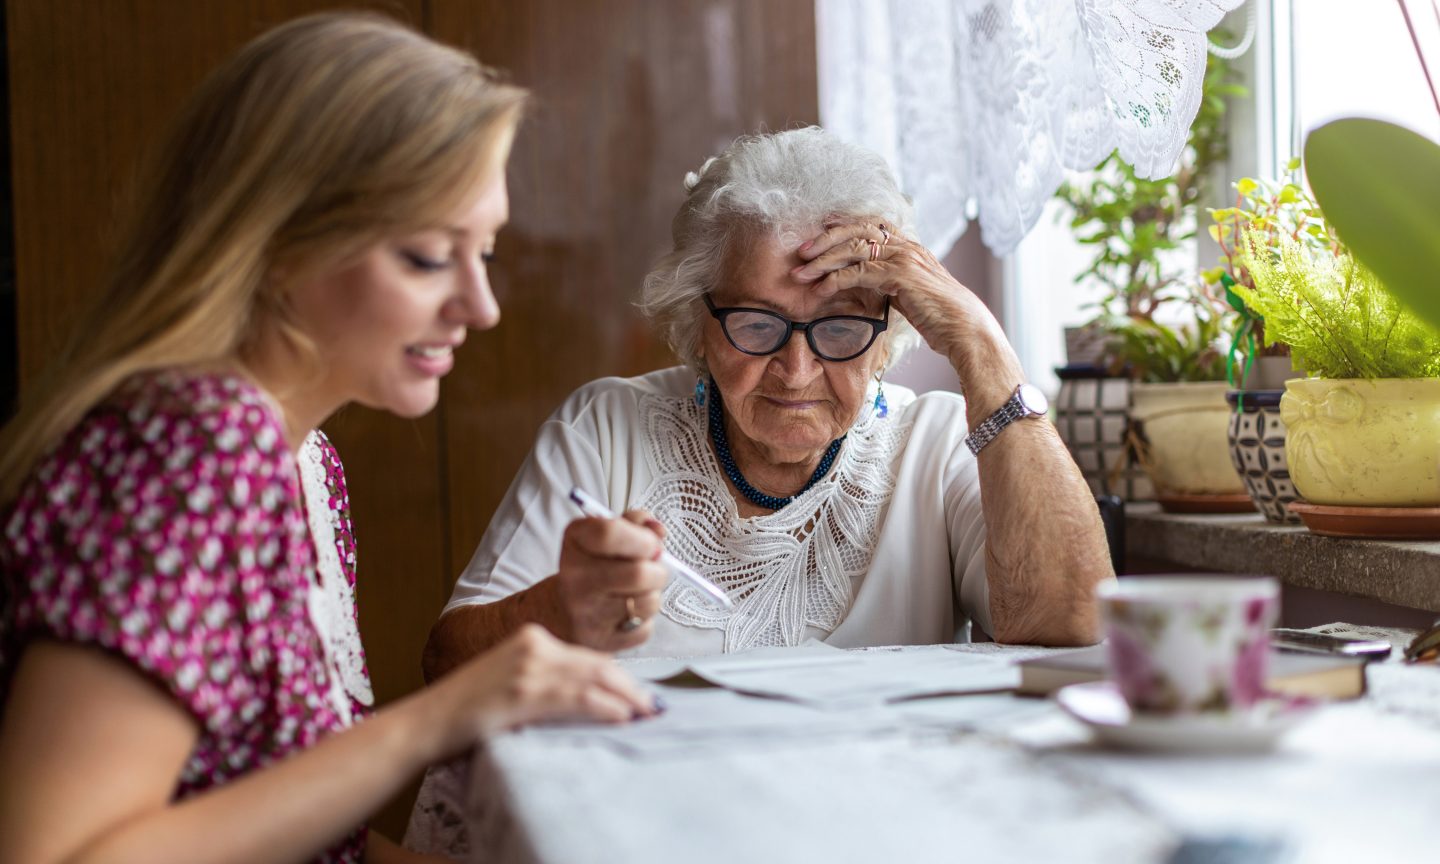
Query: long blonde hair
column 318, row 139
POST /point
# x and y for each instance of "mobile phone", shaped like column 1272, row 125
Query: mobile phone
column 1230, row 850
column 1309, row 642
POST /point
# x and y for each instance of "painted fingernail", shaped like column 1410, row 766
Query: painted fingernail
column 654, row 525
column 661, row 706
column 805, row 247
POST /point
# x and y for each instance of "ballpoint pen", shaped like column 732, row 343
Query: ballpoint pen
column 590, row 507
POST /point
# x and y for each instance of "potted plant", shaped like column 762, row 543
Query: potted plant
column 1177, row 404
column 1363, row 435
column 1163, row 335
column 1362, row 426
column 1263, row 212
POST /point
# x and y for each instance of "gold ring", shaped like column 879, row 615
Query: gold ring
column 632, row 621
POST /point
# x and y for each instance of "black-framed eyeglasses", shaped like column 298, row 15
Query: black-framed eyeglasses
column 836, row 338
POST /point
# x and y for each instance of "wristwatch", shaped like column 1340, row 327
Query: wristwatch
column 1026, row 401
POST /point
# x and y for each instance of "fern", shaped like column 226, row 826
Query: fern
column 1337, row 317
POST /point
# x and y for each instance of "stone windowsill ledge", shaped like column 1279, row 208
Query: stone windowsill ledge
column 1403, row 573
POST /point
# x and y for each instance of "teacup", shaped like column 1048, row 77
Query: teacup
column 1190, row 644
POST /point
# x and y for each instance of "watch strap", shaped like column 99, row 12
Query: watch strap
column 1013, row 409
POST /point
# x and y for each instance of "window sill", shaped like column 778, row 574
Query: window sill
column 1401, row 573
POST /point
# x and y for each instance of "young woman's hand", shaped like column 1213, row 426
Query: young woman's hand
column 532, row 676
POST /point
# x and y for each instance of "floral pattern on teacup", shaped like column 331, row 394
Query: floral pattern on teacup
column 1189, row 656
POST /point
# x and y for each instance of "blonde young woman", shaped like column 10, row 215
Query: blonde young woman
column 177, row 568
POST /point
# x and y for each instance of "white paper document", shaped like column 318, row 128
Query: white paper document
column 806, row 694
column 704, row 721
column 825, row 677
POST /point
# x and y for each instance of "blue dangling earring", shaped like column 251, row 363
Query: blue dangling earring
column 882, row 408
column 700, row 391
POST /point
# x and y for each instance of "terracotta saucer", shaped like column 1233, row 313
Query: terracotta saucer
column 1392, row 523
column 1237, row 502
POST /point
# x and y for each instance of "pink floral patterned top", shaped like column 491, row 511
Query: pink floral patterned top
column 169, row 528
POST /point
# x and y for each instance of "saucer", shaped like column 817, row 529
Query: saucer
column 1393, row 523
column 1238, row 502
column 1099, row 705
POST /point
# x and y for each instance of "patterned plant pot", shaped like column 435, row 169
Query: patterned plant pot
column 1257, row 448
column 1091, row 413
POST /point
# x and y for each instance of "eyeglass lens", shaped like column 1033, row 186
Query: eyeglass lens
column 763, row 333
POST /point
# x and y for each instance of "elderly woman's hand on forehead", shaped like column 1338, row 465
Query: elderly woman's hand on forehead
column 868, row 254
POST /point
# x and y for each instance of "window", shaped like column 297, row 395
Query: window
column 1312, row 61
column 1357, row 60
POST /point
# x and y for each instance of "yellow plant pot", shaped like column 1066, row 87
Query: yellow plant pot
column 1186, row 426
column 1369, row 443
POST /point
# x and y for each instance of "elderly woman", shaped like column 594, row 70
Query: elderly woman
column 824, row 502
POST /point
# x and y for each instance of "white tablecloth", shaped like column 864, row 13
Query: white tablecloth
column 991, row 778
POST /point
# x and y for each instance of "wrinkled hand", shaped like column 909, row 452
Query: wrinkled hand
column 866, row 254
column 609, row 581
column 529, row 677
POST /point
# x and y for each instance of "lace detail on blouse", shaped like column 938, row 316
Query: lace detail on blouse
column 786, row 571
column 331, row 600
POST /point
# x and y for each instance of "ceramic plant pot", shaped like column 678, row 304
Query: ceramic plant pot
column 1257, row 450
column 1085, row 346
column 1183, row 440
column 1091, row 414
column 1370, row 443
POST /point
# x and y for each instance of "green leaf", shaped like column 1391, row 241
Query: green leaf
column 1246, row 186
column 1293, row 164
column 1379, row 185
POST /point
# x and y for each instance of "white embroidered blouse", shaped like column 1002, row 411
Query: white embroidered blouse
column 887, row 549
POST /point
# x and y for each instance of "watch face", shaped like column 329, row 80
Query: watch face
column 1033, row 399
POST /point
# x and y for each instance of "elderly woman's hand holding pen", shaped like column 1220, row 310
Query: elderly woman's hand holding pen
column 610, row 577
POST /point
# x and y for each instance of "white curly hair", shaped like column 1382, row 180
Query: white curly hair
column 783, row 183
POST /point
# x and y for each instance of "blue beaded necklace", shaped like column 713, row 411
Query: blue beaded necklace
column 722, row 451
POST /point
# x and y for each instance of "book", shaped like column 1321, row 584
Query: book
column 1313, row 675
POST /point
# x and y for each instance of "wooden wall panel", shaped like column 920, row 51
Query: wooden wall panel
column 94, row 83
column 629, row 96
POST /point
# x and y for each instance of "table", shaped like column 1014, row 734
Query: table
column 990, row 777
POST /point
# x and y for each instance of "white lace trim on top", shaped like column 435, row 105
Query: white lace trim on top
column 787, row 571
column 331, row 600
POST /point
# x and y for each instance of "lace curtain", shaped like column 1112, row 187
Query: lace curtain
column 982, row 105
